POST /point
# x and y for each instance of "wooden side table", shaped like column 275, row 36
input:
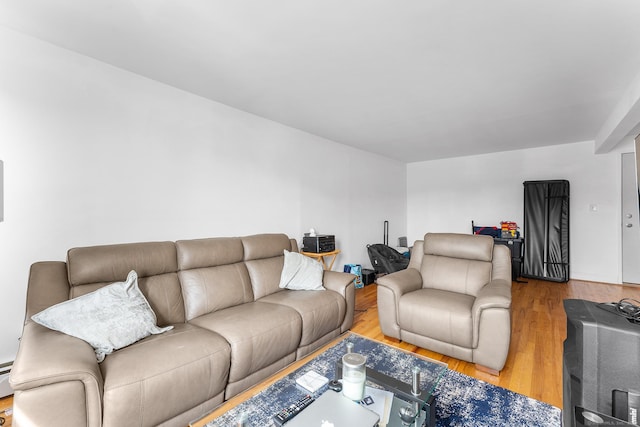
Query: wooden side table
column 320, row 257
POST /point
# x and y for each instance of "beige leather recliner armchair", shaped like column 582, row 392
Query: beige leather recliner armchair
column 454, row 299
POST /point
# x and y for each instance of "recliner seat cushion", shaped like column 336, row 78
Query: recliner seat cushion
column 164, row 375
column 259, row 334
column 438, row 314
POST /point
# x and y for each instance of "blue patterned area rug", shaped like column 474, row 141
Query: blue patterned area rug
column 460, row 400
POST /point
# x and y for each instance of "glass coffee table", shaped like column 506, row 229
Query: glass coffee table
column 413, row 404
column 388, row 369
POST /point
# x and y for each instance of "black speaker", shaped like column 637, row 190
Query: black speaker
column 368, row 276
column 318, row 244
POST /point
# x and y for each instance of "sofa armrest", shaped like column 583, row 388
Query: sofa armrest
column 337, row 281
column 53, row 373
column 45, row 358
column 343, row 284
column 495, row 294
column 48, row 285
column 390, row 288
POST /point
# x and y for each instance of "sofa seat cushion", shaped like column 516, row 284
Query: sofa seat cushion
column 321, row 311
column 438, row 314
column 164, row 375
column 259, row 334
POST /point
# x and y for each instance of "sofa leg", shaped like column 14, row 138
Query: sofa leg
column 487, row 370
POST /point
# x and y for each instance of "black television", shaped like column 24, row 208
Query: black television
column 601, row 365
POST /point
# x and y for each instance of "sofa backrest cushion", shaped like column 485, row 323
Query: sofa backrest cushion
column 211, row 252
column 91, row 268
column 212, row 274
column 456, row 262
column 264, row 258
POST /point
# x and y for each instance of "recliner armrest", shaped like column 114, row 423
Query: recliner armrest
column 402, row 281
column 495, row 294
column 390, row 289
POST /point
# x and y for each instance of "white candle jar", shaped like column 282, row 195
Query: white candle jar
column 353, row 375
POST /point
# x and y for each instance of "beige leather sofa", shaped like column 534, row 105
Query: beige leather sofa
column 454, row 299
column 233, row 327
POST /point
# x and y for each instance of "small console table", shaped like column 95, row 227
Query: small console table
column 516, row 247
column 319, row 256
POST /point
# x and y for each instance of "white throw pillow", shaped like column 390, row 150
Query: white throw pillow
column 301, row 273
column 110, row 318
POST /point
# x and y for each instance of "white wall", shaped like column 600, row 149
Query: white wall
column 97, row 155
column 446, row 195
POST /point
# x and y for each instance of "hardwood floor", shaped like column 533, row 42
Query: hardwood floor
column 6, row 403
column 534, row 364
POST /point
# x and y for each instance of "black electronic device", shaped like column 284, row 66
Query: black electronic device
column 319, row 243
column 587, row 418
column 601, row 361
column 626, row 405
column 335, row 385
column 292, row 410
column 368, row 276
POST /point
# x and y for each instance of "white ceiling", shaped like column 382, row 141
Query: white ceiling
column 412, row 80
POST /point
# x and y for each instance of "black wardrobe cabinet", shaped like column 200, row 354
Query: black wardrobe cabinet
column 546, row 230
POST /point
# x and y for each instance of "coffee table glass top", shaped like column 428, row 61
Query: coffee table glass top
column 397, row 365
column 404, row 403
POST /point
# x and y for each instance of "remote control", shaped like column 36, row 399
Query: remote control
column 294, row 409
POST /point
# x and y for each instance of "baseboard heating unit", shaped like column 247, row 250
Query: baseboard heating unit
column 5, row 389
